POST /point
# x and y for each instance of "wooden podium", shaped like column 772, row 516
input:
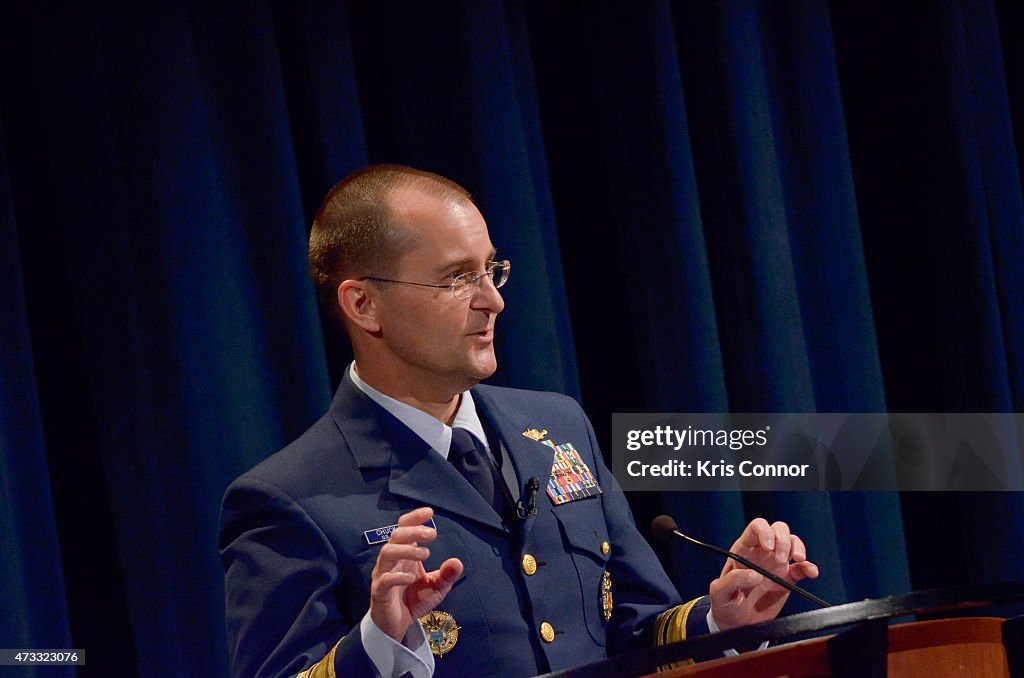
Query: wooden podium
column 971, row 646
column 867, row 647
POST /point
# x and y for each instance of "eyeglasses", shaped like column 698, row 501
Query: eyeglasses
column 465, row 285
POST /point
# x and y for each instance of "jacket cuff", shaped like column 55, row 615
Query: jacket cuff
column 679, row 623
column 323, row 668
column 348, row 654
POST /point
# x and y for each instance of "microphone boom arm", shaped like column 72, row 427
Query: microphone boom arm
column 664, row 526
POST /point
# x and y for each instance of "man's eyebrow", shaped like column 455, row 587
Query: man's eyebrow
column 459, row 263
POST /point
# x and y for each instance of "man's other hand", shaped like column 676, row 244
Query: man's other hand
column 741, row 596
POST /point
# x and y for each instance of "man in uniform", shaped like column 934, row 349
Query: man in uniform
column 432, row 526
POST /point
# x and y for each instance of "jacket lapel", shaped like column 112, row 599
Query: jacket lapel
column 378, row 440
column 531, row 459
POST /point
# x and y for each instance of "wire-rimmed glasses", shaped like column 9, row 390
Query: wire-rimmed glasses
column 465, row 285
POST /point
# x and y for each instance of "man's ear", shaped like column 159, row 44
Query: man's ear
column 359, row 305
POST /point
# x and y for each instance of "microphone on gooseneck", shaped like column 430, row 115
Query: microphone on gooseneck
column 530, row 508
column 665, row 528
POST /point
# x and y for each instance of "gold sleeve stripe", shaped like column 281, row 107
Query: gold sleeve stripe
column 670, row 627
column 661, row 624
column 323, row 668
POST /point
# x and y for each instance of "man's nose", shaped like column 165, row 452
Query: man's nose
column 486, row 296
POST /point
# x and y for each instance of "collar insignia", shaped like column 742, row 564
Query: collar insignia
column 534, row 434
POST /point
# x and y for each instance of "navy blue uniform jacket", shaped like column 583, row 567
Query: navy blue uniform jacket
column 297, row 565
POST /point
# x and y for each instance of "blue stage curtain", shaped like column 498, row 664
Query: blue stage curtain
column 32, row 592
column 740, row 205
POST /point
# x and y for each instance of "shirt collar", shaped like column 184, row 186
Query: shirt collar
column 434, row 432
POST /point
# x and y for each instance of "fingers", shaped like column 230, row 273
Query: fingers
column 392, row 555
column 803, row 570
column 758, row 533
column 411, row 529
column 773, row 546
column 801, row 567
column 397, row 565
column 404, row 542
column 413, row 534
column 783, row 542
column 387, row 581
column 450, row 570
column 402, row 551
column 731, row 598
column 400, row 561
column 774, row 538
column 742, row 596
column 401, row 590
column 431, row 589
column 798, row 553
column 438, row 583
column 727, row 586
column 416, row 516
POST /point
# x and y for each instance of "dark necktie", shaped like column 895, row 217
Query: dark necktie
column 474, row 465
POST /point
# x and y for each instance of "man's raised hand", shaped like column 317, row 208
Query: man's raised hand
column 401, row 590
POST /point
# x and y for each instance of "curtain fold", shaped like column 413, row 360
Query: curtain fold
column 449, row 100
column 33, row 593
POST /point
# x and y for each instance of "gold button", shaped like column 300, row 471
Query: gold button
column 529, row 565
column 605, row 547
column 547, row 632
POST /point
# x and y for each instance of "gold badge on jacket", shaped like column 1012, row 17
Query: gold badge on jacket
column 606, row 596
column 442, row 631
column 534, row 434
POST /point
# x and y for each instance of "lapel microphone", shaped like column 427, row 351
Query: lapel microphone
column 530, row 509
column 665, row 528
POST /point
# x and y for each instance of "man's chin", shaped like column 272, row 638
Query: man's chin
column 483, row 370
column 482, row 375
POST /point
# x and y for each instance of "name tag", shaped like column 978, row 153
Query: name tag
column 382, row 534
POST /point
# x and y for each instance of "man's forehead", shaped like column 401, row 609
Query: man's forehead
column 427, row 216
column 412, row 204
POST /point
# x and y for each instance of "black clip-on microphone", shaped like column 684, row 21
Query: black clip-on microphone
column 664, row 528
column 530, row 509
